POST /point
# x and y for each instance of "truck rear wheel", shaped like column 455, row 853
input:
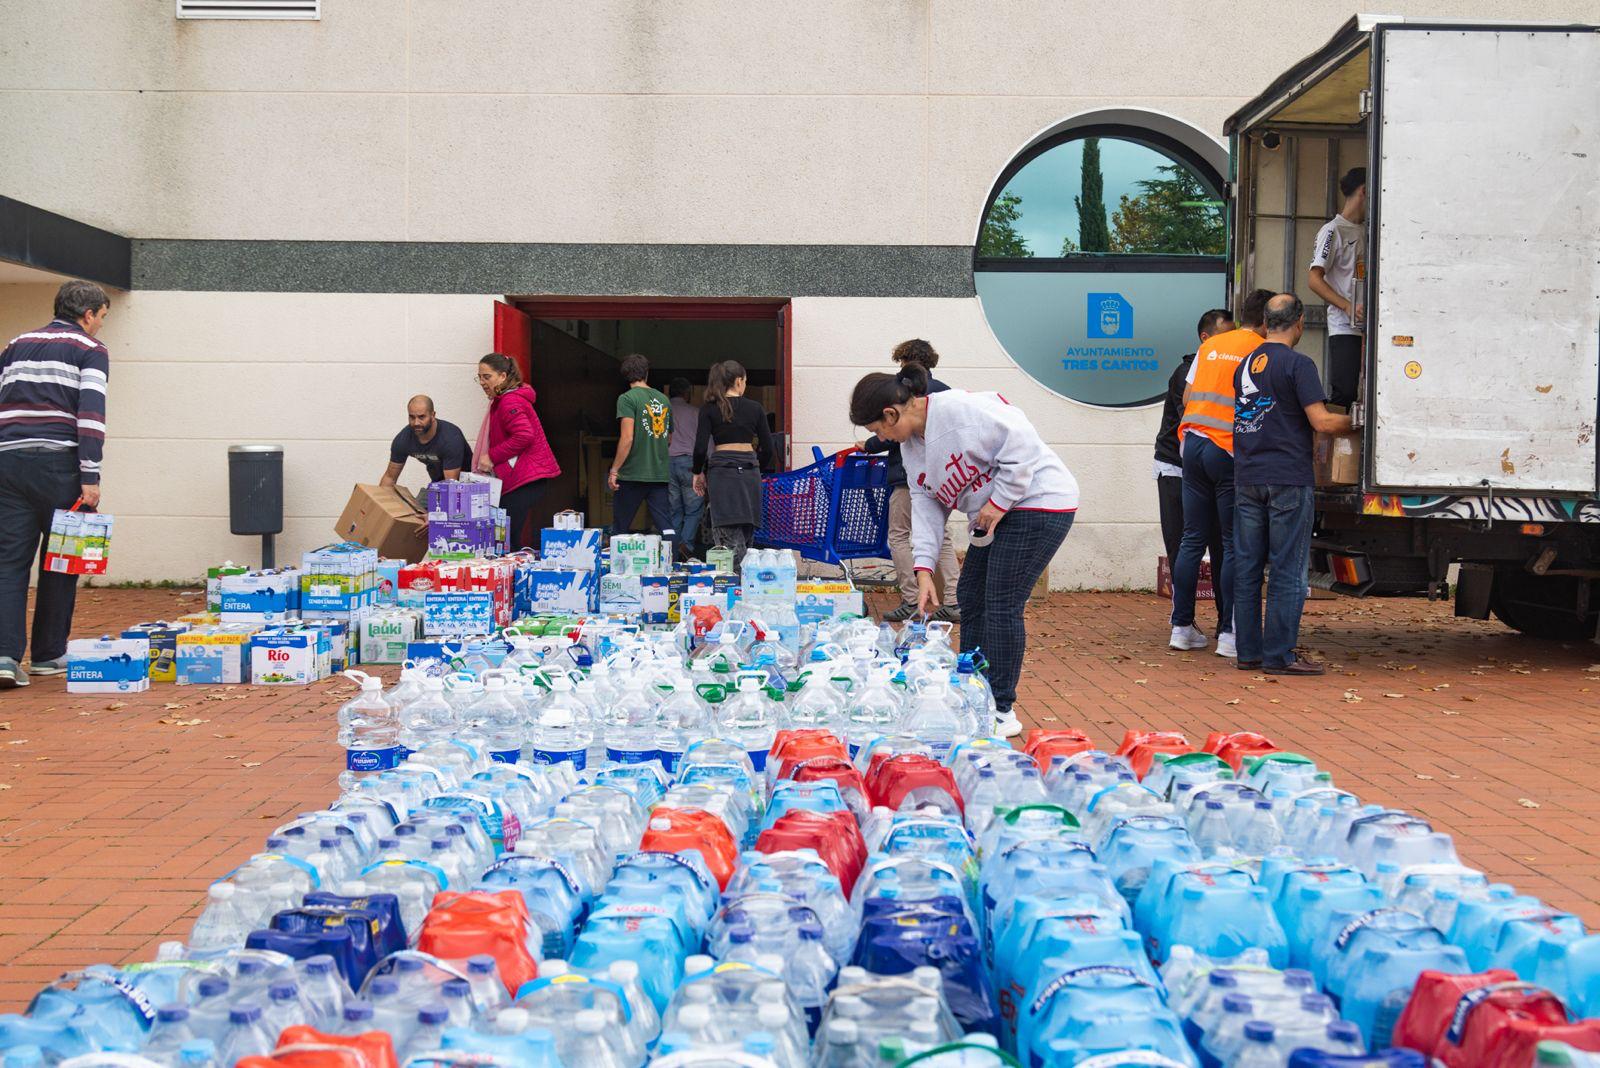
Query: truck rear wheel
column 1554, row 607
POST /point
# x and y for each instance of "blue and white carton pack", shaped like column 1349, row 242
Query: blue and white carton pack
column 214, row 655
column 567, row 519
column 341, row 653
column 654, row 598
column 453, row 612
column 108, row 665
column 260, row 596
column 562, row 590
column 579, row 550
column 282, row 657
column 389, row 581
column 163, row 639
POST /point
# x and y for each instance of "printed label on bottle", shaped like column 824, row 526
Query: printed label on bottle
column 372, row 759
column 505, row 756
column 578, row 758
column 758, row 758
column 630, row 756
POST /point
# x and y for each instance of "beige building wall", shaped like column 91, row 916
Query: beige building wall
column 833, row 122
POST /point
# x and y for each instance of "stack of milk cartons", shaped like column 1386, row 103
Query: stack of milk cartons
column 471, row 597
column 338, row 582
column 214, row 653
column 108, row 665
column 461, row 522
column 637, row 577
column 386, row 632
column 266, row 597
column 566, row 577
column 214, row 576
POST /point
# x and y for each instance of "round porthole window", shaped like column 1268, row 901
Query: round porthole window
column 1100, row 247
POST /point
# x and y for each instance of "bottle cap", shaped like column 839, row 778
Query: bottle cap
column 1258, row 1031
column 174, row 1013
column 213, row 986
column 244, row 1012
column 220, row 891
column 429, row 1015
column 695, row 1017
column 481, row 964
column 458, row 988
column 510, row 1021
column 383, row 986
column 283, row 990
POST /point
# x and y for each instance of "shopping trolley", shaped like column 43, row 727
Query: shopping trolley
column 832, row 511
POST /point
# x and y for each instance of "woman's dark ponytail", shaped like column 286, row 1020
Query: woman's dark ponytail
column 500, row 363
column 878, row 391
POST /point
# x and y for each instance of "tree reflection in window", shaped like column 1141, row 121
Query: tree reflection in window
column 1057, row 205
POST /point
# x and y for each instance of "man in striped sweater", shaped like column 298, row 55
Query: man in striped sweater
column 52, row 432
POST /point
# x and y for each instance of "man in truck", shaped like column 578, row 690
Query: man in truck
column 1280, row 405
column 1338, row 271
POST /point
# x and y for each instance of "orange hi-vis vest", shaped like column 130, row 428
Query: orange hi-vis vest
column 1210, row 408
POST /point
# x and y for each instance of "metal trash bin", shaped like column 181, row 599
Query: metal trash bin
column 255, row 493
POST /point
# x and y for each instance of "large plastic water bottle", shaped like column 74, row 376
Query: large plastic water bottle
column 500, row 719
column 751, row 718
column 168, row 1033
column 222, row 926
column 429, row 720
column 323, row 989
column 560, row 733
column 247, row 1035
column 631, row 721
column 428, row 1030
column 369, row 732
column 936, row 716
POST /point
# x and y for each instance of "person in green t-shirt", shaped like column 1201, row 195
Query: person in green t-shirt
column 643, row 469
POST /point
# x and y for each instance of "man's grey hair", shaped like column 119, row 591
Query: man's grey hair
column 1283, row 311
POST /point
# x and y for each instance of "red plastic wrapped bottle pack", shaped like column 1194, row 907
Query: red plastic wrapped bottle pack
column 792, row 746
column 1141, row 747
column 1488, row 1020
column 1238, row 747
column 461, row 925
column 1045, row 745
column 672, row 830
column 306, row 1047
column 836, row 839
column 891, row 778
column 852, row 787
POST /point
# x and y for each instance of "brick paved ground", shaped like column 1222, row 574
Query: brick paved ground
column 112, row 822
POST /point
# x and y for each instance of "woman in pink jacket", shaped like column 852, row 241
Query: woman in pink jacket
column 518, row 454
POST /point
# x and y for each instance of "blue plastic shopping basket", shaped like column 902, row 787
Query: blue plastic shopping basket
column 834, row 510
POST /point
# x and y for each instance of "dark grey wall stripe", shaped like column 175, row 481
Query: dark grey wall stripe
column 555, row 269
column 54, row 242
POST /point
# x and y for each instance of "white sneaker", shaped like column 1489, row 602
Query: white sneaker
column 1226, row 646
column 1187, row 638
column 1007, row 725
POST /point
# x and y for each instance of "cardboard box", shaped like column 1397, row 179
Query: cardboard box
column 654, row 598
column 214, row 583
column 577, row 549
column 108, row 665
column 260, row 597
column 819, row 601
column 619, row 594
column 214, row 655
column 1203, row 591
column 638, row 554
column 1336, row 459
column 456, row 501
column 386, row 518
column 567, row 520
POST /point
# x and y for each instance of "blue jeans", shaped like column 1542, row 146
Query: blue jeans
column 1207, row 519
column 1271, row 525
column 996, row 580
column 683, row 502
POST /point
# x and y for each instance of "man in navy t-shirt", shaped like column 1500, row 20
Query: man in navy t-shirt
column 1279, row 405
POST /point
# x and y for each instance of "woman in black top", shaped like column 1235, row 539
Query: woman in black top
column 730, row 478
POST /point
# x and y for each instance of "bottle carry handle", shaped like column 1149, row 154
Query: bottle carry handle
column 1068, row 820
column 950, row 1047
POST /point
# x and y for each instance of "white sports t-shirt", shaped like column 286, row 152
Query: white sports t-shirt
column 1342, row 255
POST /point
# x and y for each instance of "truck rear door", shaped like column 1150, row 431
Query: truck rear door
column 1485, row 200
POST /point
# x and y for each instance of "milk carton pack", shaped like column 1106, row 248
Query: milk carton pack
column 720, row 558
column 79, row 543
column 816, row 602
column 578, row 550
column 342, row 653
column 214, row 583
column 452, row 612
column 563, row 590
column 453, row 501
column 108, row 665
column 461, row 539
column 282, row 657
column 214, row 655
column 620, row 594
column 654, row 598
column 385, row 633
column 261, row 597
column 388, row 592
column 637, row 554
column 163, row 639
column 567, row 520
column 338, row 581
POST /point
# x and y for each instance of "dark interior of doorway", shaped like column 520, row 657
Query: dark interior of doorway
column 574, row 371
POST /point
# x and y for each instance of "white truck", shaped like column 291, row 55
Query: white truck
column 1480, row 393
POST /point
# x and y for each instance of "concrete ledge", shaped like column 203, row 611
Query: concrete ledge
column 554, row 269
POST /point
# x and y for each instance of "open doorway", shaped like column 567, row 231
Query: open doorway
column 575, row 347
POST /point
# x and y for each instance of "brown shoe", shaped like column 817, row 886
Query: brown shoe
column 1248, row 665
column 1297, row 667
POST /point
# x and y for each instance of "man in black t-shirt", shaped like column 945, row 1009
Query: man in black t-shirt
column 437, row 445
column 1279, row 405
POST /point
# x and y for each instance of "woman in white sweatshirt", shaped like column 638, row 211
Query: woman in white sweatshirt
column 977, row 453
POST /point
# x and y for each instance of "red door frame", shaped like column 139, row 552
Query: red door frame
column 778, row 311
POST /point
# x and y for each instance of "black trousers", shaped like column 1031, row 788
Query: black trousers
column 518, row 504
column 630, row 495
column 1344, row 368
column 33, row 484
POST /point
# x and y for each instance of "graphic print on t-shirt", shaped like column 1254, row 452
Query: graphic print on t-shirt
column 656, row 418
column 1252, row 405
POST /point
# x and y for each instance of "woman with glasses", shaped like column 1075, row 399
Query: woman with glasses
column 518, row 454
column 976, row 453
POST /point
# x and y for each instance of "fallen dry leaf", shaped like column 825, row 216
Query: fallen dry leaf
column 19, row 741
column 1525, row 803
column 1424, row 776
column 5, row 786
column 5, row 726
column 114, row 705
column 251, row 764
column 176, row 704
column 1232, row 702
column 1394, row 695
column 1352, row 697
